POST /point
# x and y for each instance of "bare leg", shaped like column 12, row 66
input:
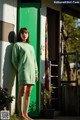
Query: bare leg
column 19, row 101
column 27, row 92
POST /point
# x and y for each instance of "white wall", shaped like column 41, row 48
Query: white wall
column 8, row 14
column 8, row 10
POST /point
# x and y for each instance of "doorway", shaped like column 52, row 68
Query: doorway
column 29, row 17
column 53, row 49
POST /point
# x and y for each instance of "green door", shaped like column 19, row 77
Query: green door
column 29, row 17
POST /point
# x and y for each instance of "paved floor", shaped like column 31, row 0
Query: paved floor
column 67, row 118
column 63, row 118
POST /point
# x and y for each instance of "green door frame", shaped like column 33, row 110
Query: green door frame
column 36, row 7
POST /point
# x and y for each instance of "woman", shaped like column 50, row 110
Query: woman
column 24, row 61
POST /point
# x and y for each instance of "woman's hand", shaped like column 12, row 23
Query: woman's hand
column 36, row 79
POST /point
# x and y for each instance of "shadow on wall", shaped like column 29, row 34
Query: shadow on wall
column 9, row 72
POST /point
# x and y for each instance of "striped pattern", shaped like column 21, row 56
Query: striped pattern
column 47, row 65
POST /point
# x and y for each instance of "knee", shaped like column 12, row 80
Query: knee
column 27, row 93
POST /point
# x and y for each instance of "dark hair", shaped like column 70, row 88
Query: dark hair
column 22, row 30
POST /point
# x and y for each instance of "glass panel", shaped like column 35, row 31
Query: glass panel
column 70, row 68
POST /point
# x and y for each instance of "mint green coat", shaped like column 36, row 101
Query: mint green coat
column 24, row 61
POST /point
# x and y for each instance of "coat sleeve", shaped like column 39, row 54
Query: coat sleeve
column 36, row 67
column 15, row 56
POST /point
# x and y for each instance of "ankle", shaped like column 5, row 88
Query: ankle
column 25, row 114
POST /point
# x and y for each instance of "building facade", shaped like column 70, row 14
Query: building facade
column 33, row 14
